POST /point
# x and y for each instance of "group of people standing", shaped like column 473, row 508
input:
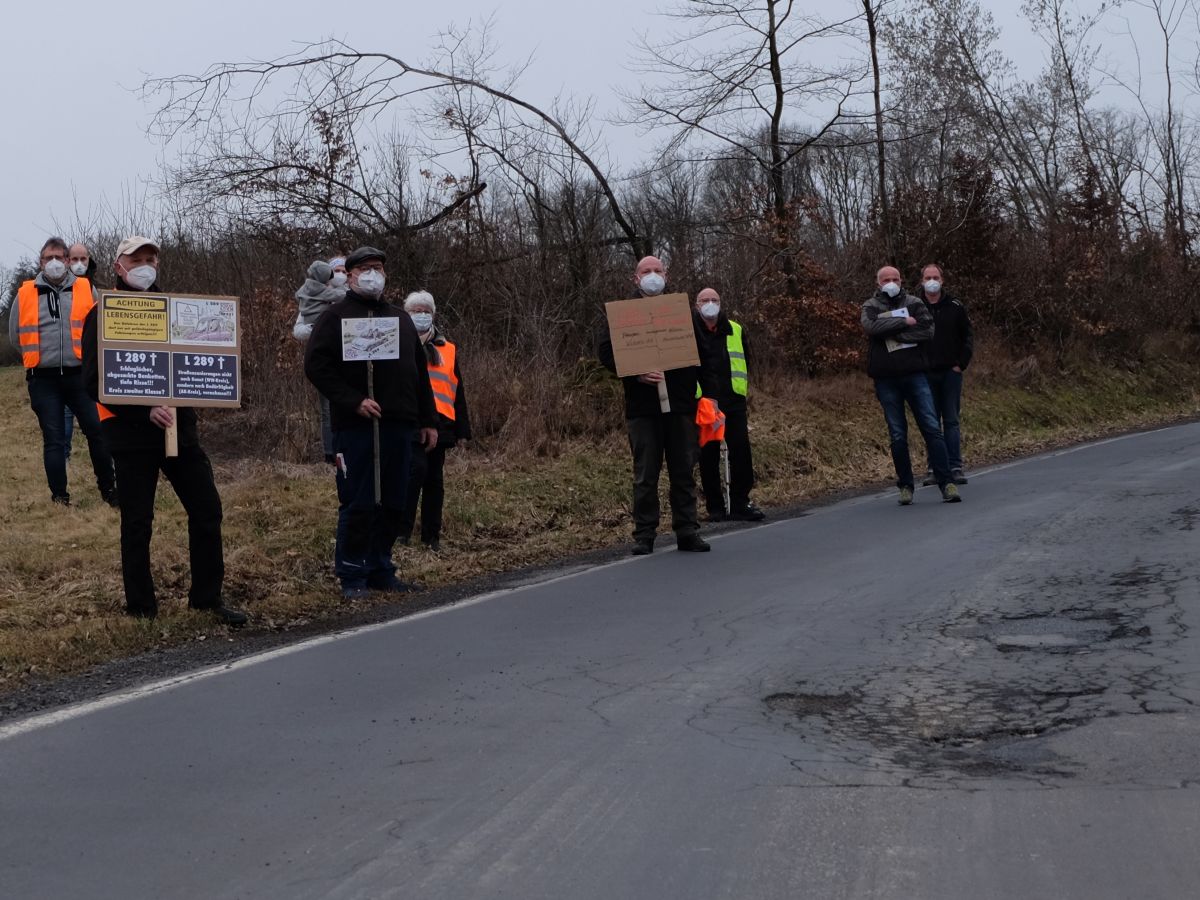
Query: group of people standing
column 919, row 347
column 387, row 424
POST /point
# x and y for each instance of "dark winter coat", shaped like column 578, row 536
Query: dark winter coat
column 401, row 385
column 953, row 340
column 716, row 347
column 886, row 358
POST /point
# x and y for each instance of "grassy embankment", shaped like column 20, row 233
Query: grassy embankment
column 60, row 587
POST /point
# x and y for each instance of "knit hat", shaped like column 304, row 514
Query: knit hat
column 320, row 271
column 419, row 297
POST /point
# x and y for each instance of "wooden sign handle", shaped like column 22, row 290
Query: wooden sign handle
column 171, row 433
column 664, row 403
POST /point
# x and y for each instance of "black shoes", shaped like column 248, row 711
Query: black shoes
column 61, row 499
column 930, row 479
column 717, row 515
column 958, row 476
column 110, row 497
column 434, row 546
column 643, row 548
column 748, row 513
column 226, row 615
column 692, row 543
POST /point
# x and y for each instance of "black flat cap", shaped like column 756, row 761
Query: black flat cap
column 362, row 254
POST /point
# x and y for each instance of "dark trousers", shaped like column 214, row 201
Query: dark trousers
column 946, row 387
column 363, row 555
column 741, row 465
column 427, row 488
column 651, row 438
column 51, row 395
column 893, row 393
column 190, row 474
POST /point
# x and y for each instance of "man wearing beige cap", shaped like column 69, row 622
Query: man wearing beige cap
column 135, row 436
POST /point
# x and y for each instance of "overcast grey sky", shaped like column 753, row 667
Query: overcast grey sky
column 76, row 126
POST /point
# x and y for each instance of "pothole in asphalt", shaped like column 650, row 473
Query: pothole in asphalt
column 1066, row 631
column 810, row 704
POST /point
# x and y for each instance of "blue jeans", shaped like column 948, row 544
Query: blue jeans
column 367, row 532
column 893, row 393
column 68, row 430
column 946, row 387
column 51, row 394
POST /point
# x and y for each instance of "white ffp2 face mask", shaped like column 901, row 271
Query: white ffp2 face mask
column 79, row 268
column 339, row 279
column 55, row 270
column 710, row 310
column 652, row 284
column 891, row 289
column 422, row 321
column 140, row 278
column 370, row 283
column 933, row 286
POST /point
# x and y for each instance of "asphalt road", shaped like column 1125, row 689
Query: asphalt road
column 994, row 699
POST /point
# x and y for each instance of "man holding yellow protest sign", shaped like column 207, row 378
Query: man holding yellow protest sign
column 144, row 352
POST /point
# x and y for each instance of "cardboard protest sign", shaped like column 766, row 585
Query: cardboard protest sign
column 370, row 339
column 652, row 334
column 169, row 350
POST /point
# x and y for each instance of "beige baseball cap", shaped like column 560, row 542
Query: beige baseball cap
column 133, row 244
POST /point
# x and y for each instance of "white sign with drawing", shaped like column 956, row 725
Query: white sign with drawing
column 208, row 322
column 370, row 339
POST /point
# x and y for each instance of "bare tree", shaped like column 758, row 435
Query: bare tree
column 726, row 77
column 304, row 154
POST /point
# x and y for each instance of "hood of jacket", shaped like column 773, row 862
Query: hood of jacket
column 314, row 298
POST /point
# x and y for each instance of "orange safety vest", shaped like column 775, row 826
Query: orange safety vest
column 444, row 382
column 710, row 422
column 28, row 317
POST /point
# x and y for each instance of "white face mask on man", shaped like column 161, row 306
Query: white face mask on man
column 891, row 289
column 140, row 278
column 79, row 268
column 370, row 283
column 339, row 279
column 652, row 284
column 55, row 270
column 710, row 309
column 933, row 286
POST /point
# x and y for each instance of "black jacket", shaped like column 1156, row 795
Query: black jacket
column 450, row 431
column 716, row 348
column 401, row 385
column 641, row 399
column 130, row 428
column 953, row 341
column 886, row 355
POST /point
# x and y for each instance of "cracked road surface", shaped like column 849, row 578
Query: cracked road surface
column 994, row 699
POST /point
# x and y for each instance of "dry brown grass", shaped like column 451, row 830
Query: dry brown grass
column 60, row 588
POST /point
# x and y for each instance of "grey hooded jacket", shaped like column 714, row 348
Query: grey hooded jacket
column 54, row 322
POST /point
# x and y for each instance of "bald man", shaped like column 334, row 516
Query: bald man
column 899, row 328
column 655, row 435
column 727, row 344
